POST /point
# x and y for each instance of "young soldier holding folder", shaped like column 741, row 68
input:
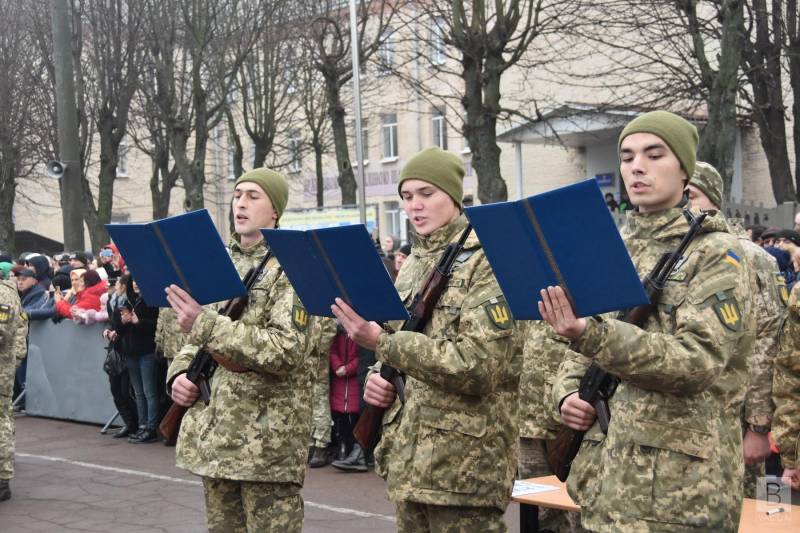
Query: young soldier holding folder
column 449, row 453
column 250, row 443
column 671, row 460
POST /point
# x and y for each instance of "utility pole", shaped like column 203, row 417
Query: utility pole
column 67, row 113
column 362, row 192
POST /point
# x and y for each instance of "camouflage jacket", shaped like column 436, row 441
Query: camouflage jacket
column 542, row 354
column 454, row 442
column 257, row 424
column 13, row 335
column 770, row 298
column 672, row 457
column 786, row 387
column 169, row 337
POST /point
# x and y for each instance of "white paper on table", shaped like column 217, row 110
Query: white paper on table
column 526, row 487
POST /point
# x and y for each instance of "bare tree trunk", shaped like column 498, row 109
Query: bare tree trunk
column 8, row 185
column 763, row 69
column 793, row 49
column 320, row 178
column 346, row 178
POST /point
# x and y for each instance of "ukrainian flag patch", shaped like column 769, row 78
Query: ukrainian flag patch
column 732, row 258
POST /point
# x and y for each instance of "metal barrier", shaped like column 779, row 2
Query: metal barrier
column 65, row 377
column 781, row 216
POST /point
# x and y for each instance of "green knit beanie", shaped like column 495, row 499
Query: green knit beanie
column 707, row 179
column 438, row 167
column 679, row 134
column 274, row 185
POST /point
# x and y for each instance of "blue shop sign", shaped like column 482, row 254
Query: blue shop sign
column 605, row 180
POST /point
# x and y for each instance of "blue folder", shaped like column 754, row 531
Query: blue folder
column 339, row 262
column 563, row 237
column 185, row 250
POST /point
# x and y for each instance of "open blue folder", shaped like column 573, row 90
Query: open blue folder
column 339, row 262
column 185, row 250
column 563, row 237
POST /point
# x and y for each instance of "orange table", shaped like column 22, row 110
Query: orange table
column 752, row 521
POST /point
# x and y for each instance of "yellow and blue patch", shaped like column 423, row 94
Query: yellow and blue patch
column 732, row 258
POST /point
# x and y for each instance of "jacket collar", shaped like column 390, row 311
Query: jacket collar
column 426, row 245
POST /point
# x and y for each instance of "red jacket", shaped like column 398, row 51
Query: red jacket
column 88, row 298
column 346, row 390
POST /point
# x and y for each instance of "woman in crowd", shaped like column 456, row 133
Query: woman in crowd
column 345, row 398
column 136, row 332
column 118, row 375
column 87, row 287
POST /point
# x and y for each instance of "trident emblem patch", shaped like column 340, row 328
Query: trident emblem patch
column 499, row 313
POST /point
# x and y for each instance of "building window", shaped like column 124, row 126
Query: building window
column 295, row 153
column 439, row 129
column 386, row 52
column 120, row 218
column 389, row 129
column 437, row 42
column 122, row 158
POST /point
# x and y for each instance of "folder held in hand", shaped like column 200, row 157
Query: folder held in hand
column 339, row 262
column 563, row 237
column 185, row 250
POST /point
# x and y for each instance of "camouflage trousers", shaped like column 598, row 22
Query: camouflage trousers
column 321, row 414
column 415, row 517
column 6, row 438
column 532, row 462
column 247, row 506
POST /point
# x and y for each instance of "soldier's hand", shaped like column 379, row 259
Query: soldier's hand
column 184, row 392
column 557, row 311
column 755, row 447
column 577, row 414
column 379, row 392
column 792, row 477
column 362, row 332
column 186, row 308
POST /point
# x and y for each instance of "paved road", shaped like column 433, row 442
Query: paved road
column 71, row 478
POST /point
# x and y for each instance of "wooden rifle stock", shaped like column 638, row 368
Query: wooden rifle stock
column 203, row 364
column 367, row 429
column 598, row 386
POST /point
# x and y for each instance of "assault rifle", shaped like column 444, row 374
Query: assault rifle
column 367, row 428
column 598, row 386
column 203, row 364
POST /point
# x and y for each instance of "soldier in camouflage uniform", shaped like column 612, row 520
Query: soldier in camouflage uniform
column 769, row 308
column 13, row 347
column 169, row 337
column 321, row 335
column 449, row 453
column 671, row 460
column 249, row 444
column 786, row 393
column 543, row 352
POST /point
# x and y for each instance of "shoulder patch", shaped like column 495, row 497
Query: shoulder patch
column 299, row 317
column 732, row 258
column 499, row 313
column 728, row 312
column 6, row 313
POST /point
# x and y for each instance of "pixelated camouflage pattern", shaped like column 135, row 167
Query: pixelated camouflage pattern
column 672, row 459
column 321, row 334
column 415, row 517
column 10, row 326
column 169, row 337
column 769, row 312
column 543, row 352
column 257, row 424
column 246, row 506
column 786, row 386
column 454, row 442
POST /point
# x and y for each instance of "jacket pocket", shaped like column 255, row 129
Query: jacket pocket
column 665, row 474
column 585, row 476
column 448, row 450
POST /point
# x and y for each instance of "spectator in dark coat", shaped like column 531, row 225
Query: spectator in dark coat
column 44, row 274
column 137, row 331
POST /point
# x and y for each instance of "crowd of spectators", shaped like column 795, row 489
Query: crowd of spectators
column 783, row 245
column 87, row 290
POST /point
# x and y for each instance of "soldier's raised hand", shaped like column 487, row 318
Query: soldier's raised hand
column 557, row 311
